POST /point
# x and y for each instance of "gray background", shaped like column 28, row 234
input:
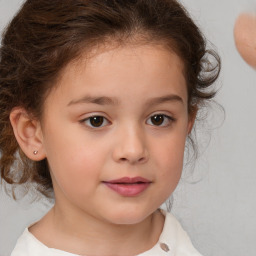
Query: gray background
column 216, row 203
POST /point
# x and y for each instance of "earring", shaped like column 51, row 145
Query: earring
column 35, row 152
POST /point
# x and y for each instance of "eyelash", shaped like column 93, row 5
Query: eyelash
column 166, row 118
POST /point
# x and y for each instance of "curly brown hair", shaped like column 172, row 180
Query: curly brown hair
column 46, row 35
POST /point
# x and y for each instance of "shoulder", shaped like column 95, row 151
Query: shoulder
column 173, row 241
column 28, row 245
column 174, row 233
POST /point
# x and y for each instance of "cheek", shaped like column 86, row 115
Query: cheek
column 78, row 178
column 74, row 160
column 171, row 164
column 168, row 164
column 170, row 159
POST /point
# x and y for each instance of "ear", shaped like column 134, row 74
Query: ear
column 191, row 119
column 28, row 134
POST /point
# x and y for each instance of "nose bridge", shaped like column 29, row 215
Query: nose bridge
column 131, row 145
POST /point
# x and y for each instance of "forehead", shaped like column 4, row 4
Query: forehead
column 145, row 69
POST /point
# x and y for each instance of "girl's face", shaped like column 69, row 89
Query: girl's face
column 114, row 131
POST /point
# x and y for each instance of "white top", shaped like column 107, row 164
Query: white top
column 173, row 241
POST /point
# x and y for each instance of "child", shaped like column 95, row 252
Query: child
column 97, row 100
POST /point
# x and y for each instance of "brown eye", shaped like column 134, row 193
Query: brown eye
column 160, row 120
column 157, row 119
column 96, row 121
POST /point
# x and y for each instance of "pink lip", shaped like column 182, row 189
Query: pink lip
column 127, row 186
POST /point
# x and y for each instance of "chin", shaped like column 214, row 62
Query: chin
column 129, row 216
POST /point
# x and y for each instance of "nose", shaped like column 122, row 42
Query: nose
column 131, row 146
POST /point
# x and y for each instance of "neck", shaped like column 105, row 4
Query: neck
column 79, row 233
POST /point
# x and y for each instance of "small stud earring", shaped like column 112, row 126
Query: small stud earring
column 35, row 152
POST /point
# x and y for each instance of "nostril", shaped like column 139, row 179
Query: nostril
column 141, row 159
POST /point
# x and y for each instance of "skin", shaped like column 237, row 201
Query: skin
column 245, row 37
column 88, row 217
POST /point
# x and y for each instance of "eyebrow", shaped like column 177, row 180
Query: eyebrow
column 95, row 100
column 163, row 99
column 103, row 100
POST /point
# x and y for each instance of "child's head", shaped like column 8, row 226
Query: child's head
column 100, row 64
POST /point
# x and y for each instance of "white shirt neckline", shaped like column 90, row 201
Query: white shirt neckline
column 173, row 241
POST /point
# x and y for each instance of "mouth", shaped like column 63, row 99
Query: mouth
column 128, row 186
